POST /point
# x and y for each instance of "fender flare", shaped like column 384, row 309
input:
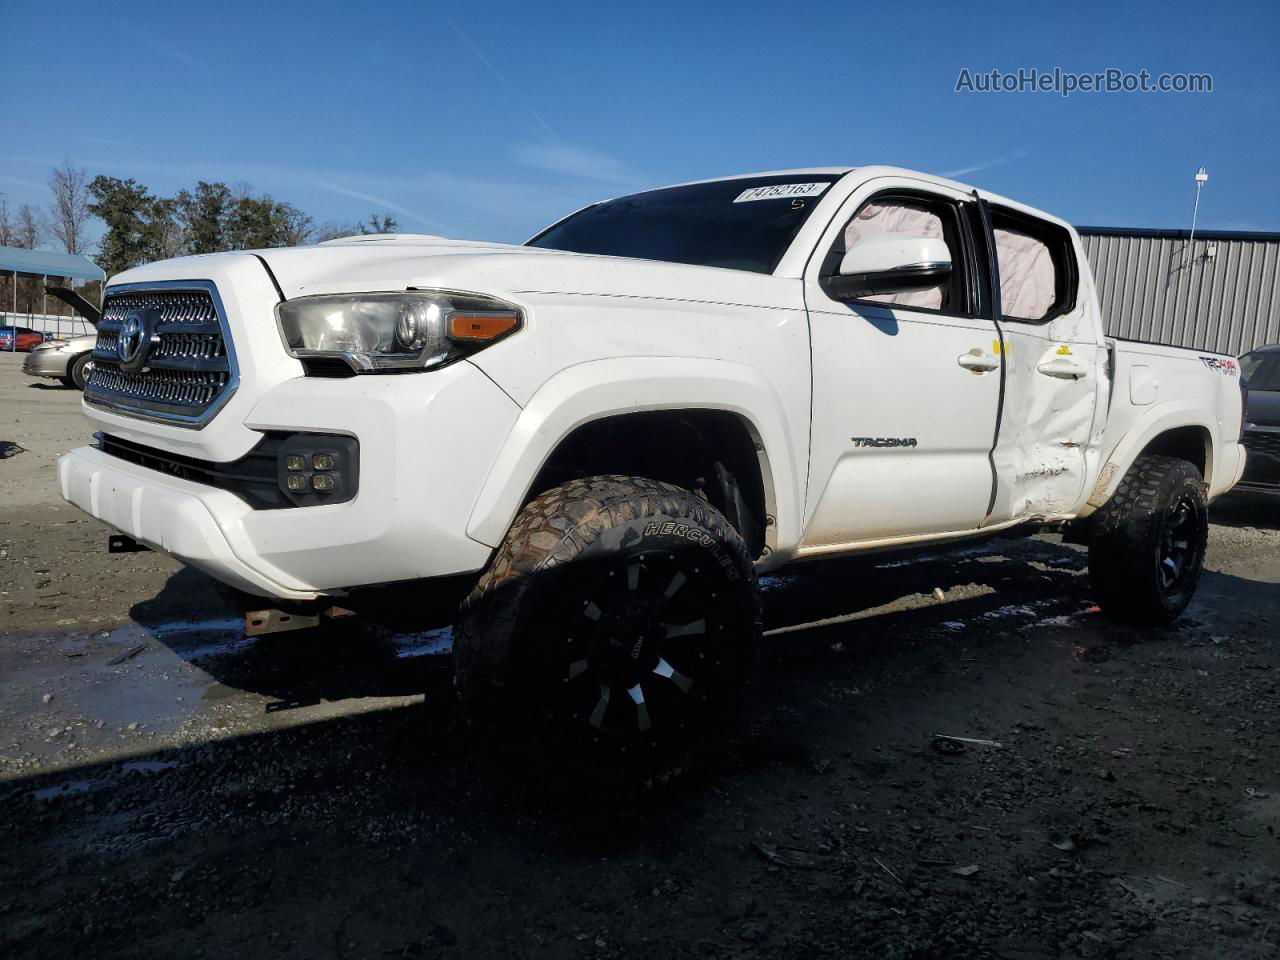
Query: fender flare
column 602, row 388
column 1161, row 418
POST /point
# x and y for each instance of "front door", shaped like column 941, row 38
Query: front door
column 906, row 387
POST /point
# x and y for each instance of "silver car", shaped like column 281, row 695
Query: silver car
column 67, row 360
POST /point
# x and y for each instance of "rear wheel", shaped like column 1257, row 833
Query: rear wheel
column 1146, row 558
column 614, row 632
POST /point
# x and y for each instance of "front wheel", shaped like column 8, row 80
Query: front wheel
column 614, row 631
column 1146, row 559
column 78, row 373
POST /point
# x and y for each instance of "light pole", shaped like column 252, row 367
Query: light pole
column 1202, row 178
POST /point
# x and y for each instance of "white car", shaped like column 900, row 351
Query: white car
column 615, row 427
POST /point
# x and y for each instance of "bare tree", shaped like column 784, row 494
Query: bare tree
column 295, row 227
column 377, row 223
column 27, row 230
column 6, row 240
column 333, row 231
column 384, row 223
column 70, row 187
column 6, row 223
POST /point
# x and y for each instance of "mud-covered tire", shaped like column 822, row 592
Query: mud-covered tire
column 1147, row 551
column 614, row 632
column 78, row 372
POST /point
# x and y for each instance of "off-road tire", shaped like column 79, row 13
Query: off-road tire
column 78, row 372
column 1148, row 546
column 613, row 634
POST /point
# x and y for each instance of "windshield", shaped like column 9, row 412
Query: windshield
column 742, row 224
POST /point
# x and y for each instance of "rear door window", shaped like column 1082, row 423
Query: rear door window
column 1037, row 267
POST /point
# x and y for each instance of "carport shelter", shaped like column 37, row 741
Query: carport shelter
column 46, row 264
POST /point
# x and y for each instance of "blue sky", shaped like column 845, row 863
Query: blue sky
column 490, row 119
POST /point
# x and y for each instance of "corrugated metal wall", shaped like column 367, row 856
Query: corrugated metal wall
column 1154, row 286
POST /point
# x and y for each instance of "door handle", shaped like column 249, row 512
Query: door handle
column 1063, row 369
column 978, row 362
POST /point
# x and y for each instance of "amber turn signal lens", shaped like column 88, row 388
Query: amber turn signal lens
column 481, row 326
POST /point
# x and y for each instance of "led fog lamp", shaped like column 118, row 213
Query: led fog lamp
column 413, row 330
column 317, row 468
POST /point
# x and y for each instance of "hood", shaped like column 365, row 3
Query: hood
column 397, row 262
column 84, row 341
column 78, row 303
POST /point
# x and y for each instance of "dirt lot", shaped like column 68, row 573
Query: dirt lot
column 169, row 788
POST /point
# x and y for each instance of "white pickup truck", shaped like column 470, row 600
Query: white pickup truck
column 613, row 428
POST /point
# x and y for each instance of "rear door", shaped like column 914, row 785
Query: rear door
column 906, row 387
column 1054, row 367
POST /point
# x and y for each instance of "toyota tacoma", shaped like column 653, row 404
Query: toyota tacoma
column 614, row 428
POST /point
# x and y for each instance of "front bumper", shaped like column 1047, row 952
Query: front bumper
column 427, row 442
column 46, row 363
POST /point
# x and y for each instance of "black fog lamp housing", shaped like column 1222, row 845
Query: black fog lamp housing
column 315, row 468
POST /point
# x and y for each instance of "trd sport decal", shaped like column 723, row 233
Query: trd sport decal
column 883, row 441
column 1228, row 367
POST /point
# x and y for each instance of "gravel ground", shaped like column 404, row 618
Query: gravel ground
column 170, row 788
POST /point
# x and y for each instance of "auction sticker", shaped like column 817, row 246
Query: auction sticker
column 780, row 191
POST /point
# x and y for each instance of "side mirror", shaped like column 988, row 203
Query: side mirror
column 891, row 263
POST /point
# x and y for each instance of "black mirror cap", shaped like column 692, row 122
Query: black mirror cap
column 858, row 286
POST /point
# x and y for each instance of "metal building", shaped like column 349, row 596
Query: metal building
column 1219, row 292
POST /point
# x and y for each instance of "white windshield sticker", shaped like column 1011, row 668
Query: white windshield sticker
column 781, row 190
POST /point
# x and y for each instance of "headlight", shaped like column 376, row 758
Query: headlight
column 395, row 331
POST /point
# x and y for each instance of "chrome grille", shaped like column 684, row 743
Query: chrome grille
column 187, row 371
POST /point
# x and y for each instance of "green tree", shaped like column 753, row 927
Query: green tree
column 204, row 215
column 251, row 224
column 166, row 236
column 126, row 207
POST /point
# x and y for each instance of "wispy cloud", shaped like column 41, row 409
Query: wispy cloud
column 988, row 164
column 21, row 182
column 175, row 53
column 585, row 163
column 460, row 204
column 378, row 202
column 104, row 141
column 502, row 77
